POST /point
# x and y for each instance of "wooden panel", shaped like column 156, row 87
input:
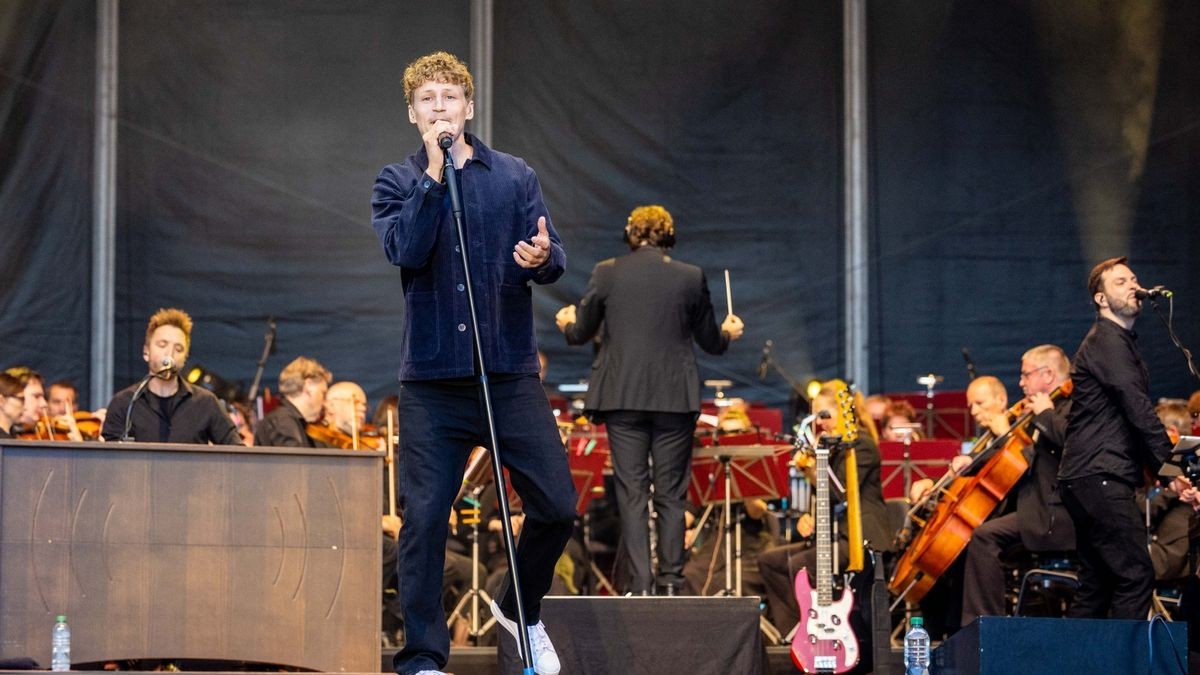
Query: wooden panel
column 170, row 551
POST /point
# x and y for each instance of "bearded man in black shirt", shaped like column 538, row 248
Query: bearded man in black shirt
column 1112, row 434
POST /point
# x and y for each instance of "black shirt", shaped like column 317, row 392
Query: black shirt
column 192, row 415
column 283, row 427
column 1112, row 429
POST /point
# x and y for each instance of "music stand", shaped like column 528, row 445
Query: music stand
column 752, row 471
column 1184, row 459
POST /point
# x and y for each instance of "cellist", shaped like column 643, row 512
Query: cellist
column 1040, row 522
column 987, row 401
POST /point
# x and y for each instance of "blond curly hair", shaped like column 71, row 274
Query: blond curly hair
column 438, row 67
column 652, row 225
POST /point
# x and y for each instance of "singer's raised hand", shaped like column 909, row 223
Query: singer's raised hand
column 537, row 251
column 733, row 325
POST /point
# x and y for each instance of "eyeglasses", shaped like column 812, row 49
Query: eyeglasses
column 1028, row 373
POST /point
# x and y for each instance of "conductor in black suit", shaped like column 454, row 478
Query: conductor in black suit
column 648, row 308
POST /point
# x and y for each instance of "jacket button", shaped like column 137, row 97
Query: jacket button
column 461, row 287
column 457, row 249
column 462, row 327
column 426, row 185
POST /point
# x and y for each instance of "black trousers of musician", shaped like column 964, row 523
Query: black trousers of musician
column 1116, row 575
column 442, row 420
column 983, row 582
column 636, row 437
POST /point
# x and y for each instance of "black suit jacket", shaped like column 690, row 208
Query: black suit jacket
column 647, row 309
column 1045, row 523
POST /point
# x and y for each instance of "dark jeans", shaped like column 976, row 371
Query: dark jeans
column 983, row 580
column 1116, row 575
column 634, row 438
column 441, row 422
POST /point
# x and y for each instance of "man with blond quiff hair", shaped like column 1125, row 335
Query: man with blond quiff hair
column 167, row 408
column 439, row 392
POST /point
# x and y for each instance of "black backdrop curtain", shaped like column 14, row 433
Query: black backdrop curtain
column 250, row 134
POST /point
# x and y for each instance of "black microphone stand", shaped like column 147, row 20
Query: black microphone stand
column 1167, row 321
column 497, row 468
column 125, row 437
column 268, row 349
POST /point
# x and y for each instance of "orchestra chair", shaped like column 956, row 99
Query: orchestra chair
column 1048, row 588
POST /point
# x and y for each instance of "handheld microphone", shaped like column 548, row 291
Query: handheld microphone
column 1156, row 292
column 766, row 360
column 445, row 140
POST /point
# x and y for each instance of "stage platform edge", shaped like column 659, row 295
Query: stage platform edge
column 993, row 645
column 649, row 636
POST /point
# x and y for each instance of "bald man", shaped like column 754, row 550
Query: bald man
column 987, row 401
column 346, row 407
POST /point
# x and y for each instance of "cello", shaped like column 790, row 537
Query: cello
column 964, row 505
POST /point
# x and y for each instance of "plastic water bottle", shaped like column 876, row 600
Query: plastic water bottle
column 60, row 646
column 916, row 648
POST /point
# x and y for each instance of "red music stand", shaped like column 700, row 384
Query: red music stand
column 588, row 457
column 756, row 472
column 723, row 473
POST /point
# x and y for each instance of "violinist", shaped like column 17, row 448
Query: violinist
column 303, row 384
column 62, row 398
column 1040, row 522
column 164, row 408
column 38, row 421
column 64, row 413
column 12, row 401
column 34, row 392
column 343, row 424
column 1112, row 436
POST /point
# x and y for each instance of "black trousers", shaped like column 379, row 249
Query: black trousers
column 983, row 581
column 636, row 437
column 1116, row 575
column 442, row 421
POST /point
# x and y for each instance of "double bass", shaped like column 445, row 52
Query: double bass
column 964, row 505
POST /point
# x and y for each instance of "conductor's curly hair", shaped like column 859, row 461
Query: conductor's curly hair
column 438, row 67
column 651, row 225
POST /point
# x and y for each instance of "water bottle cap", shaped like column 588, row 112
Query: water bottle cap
column 916, row 621
column 60, row 618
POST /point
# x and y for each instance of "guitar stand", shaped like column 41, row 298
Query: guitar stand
column 475, row 593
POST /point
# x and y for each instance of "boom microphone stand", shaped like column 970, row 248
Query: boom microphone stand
column 510, row 548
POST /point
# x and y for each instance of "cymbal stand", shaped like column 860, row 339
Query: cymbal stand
column 475, row 593
column 906, row 463
column 929, row 381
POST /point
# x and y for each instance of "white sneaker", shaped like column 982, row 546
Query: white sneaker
column 545, row 659
column 430, row 672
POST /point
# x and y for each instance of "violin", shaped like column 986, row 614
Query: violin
column 53, row 429
column 368, row 437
